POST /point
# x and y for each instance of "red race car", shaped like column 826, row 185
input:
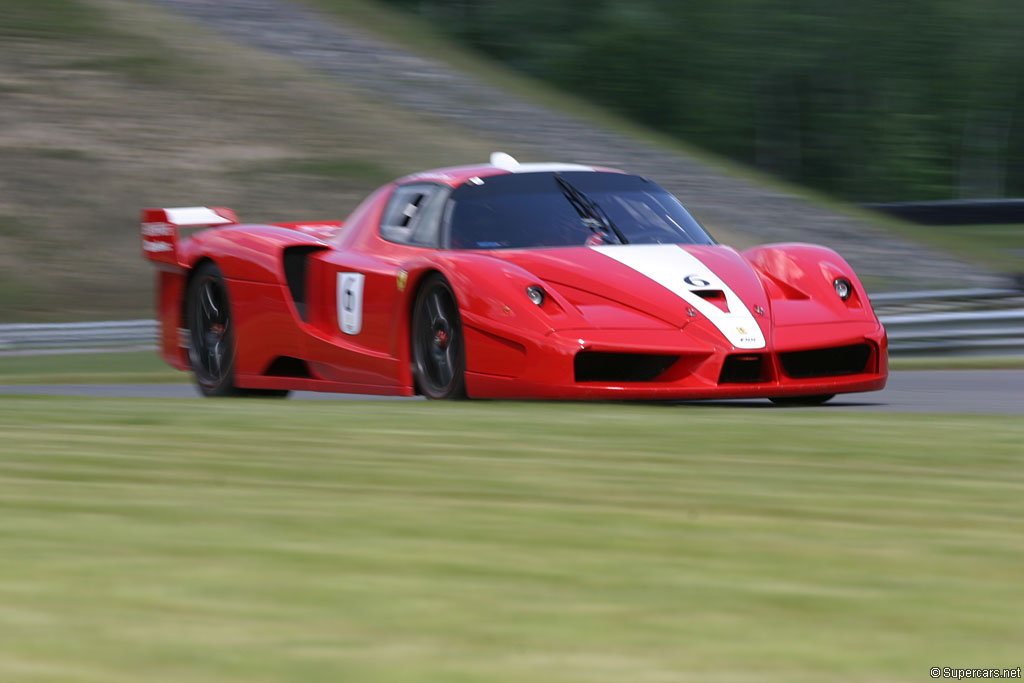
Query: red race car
column 507, row 280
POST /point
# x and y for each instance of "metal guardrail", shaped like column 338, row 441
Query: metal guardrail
column 955, row 211
column 947, row 301
column 918, row 323
column 953, row 322
column 944, row 296
column 93, row 334
column 958, row 333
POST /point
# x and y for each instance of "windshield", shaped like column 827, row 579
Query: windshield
column 522, row 210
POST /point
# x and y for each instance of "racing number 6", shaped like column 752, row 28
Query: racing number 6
column 695, row 281
column 350, row 302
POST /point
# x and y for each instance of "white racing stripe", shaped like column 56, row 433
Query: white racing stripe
column 682, row 273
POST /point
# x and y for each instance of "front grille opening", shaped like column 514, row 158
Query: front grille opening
column 744, row 368
column 286, row 366
column 597, row 366
column 839, row 360
column 715, row 296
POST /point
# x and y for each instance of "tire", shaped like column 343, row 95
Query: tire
column 438, row 346
column 211, row 351
column 813, row 400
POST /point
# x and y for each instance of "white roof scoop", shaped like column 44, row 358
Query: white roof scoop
column 505, row 162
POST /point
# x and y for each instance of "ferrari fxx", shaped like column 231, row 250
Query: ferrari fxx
column 507, row 280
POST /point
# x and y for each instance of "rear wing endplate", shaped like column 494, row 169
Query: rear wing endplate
column 160, row 228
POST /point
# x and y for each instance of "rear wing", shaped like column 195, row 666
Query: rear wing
column 160, row 228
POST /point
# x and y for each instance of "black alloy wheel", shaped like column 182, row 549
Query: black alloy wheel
column 438, row 350
column 813, row 400
column 211, row 351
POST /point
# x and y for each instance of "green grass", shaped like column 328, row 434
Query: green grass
column 277, row 541
column 957, row 363
column 146, row 367
column 88, row 27
column 134, row 367
column 1000, row 247
column 146, row 68
column 63, row 19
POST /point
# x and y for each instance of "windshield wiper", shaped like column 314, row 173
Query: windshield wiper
column 594, row 217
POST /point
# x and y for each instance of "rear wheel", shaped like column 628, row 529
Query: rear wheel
column 211, row 351
column 438, row 350
column 813, row 400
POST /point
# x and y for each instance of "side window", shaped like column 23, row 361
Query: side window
column 412, row 214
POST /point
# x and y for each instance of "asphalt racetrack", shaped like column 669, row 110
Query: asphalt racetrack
column 991, row 392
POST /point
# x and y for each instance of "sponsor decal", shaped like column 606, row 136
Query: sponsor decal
column 157, row 230
column 158, row 238
column 350, row 302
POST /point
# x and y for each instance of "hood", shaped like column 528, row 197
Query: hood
column 655, row 281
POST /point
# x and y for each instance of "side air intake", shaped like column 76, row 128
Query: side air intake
column 296, row 262
column 286, row 366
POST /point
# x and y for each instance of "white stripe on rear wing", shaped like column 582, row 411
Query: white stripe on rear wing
column 195, row 215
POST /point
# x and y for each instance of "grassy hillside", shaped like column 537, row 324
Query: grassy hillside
column 110, row 105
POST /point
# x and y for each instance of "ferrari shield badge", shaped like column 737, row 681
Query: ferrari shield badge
column 403, row 277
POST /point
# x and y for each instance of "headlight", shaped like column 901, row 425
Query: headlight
column 843, row 288
column 536, row 294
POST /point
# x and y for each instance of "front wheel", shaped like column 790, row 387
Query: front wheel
column 813, row 400
column 438, row 350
